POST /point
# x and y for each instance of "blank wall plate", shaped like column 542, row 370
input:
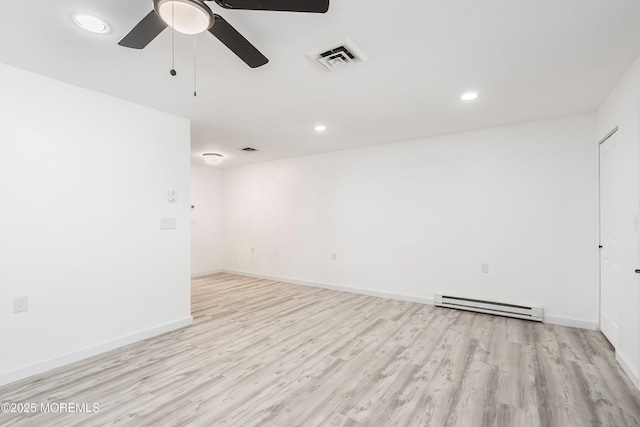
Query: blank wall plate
column 484, row 268
column 20, row 304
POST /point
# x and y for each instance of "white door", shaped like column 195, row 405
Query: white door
column 611, row 193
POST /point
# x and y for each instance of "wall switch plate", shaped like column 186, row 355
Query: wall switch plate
column 20, row 304
column 334, row 256
column 167, row 223
column 252, row 251
column 484, row 268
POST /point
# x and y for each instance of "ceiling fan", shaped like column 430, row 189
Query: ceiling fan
column 194, row 16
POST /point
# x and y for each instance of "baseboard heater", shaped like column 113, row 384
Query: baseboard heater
column 490, row 307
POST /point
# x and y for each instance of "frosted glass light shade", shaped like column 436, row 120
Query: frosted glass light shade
column 185, row 16
column 212, row 158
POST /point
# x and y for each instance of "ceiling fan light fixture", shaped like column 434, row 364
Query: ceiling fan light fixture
column 185, row 16
column 212, row 158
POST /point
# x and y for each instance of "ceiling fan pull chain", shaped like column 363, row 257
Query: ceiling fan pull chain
column 194, row 65
column 173, row 43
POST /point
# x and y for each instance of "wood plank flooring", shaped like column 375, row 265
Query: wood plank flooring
column 264, row 353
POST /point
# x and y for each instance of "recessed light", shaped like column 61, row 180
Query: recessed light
column 91, row 23
column 320, row 128
column 469, row 96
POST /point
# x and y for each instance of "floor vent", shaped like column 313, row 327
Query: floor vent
column 340, row 55
column 490, row 307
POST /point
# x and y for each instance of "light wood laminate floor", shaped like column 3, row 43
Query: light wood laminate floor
column 264, row 353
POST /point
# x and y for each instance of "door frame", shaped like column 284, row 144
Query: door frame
column 602, row 141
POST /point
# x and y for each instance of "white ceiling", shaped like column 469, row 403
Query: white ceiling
column 528, row 59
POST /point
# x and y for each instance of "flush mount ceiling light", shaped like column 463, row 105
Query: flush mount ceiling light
column 469, row 96
column 185, row 16
column 212, row 158
column 320, row 128
column 91, row 23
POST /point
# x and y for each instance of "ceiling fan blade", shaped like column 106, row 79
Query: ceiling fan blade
column 313, row 6
column 237, row 43
column 146, row 30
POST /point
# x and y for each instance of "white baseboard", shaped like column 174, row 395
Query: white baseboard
column 205, row 273
column 58, row 362
column 573, row 323
column 626, row 367
column 561, row 321
column 359, row 291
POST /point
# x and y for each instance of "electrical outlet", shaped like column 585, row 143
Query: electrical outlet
column 167, row 223
column 484, row 268
column 252, row 251
column 20, row 304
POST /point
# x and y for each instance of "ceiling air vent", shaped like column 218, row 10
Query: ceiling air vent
column 341, row 55
column 249, row 149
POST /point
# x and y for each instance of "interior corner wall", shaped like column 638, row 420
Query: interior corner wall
column 622, row 109
column 205, row 220
column 84, row 180
column 410, row 219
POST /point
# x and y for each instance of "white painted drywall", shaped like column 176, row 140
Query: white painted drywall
column 622, row 109
column 205, row 220
column 419, row 217
column 84, row 179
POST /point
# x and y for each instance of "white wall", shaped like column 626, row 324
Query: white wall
column 621, row 108
column 413, row 218
column 83, row 183
column 205, row 220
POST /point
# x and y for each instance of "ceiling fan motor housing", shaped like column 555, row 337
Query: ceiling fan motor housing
column 185, row 16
